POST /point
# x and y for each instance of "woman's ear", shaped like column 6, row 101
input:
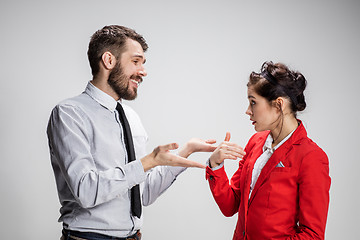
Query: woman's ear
column 280, row 103
column 108, row 60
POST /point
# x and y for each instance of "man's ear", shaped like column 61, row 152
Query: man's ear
column 108, row 60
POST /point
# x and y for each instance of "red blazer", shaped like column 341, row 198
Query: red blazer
column 289, row 202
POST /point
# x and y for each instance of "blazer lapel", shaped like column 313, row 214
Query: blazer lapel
column 279, row 155
column 257, row 151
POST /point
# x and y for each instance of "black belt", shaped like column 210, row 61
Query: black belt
column 70, row 234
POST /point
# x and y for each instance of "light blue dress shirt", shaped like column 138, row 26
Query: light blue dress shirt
column 91, row 169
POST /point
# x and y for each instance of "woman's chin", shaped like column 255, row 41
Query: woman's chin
column 258, row 129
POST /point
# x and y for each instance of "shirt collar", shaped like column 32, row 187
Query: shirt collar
column 101, row 97
column 269, row 140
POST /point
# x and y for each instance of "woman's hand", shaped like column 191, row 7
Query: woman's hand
column 226, row 150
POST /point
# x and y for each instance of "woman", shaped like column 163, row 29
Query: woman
column 281, row 189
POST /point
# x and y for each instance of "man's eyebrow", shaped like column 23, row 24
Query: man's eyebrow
column 139, row 56
column 250, row 96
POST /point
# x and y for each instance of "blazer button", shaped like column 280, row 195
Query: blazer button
column 211, row 178
column 243, row 233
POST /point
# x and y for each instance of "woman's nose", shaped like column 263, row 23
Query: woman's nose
column 248, row 111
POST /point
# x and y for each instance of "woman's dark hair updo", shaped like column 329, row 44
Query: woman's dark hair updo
column 277, row 80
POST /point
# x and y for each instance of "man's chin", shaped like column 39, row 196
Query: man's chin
column 130, row 97
column 127, row 95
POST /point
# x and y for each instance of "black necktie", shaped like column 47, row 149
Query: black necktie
column 135, row 190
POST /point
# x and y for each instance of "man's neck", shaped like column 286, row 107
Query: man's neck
column 101, row 83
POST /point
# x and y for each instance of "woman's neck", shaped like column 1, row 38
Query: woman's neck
column 283, row 129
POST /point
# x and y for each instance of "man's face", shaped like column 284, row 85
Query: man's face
column 129, row 71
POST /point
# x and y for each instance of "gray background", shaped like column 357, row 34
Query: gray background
column 201, row 54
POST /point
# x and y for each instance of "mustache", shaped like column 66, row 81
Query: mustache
column 139, row 79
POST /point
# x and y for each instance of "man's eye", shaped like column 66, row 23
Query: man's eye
column 252, row 102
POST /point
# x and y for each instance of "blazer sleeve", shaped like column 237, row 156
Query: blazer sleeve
column 227, row 196
column 314, row 185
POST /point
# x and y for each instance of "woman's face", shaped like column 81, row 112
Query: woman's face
column 263, row 115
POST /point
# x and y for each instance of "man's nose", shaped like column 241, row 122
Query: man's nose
column 142, row 72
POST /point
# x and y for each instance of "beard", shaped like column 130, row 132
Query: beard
column 119, row 82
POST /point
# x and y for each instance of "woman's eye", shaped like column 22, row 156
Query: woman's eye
column 252, row 102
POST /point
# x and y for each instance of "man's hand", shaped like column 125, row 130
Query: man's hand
column 161, row 156
column 197, row 145
column 226, row 150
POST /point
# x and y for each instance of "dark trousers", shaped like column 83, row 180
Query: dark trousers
column 75, row 235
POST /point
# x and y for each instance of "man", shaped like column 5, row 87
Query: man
column 97, row 145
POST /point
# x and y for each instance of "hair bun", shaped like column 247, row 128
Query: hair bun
column 276, row 80
column 300, row 83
